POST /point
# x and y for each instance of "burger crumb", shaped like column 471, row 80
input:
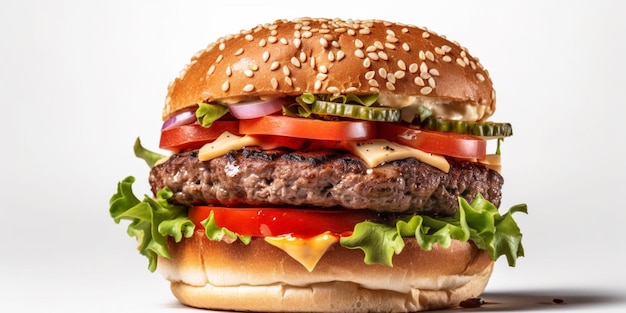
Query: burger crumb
column 558, row 301
column 472, row 303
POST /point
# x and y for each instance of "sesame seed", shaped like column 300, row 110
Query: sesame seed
column 373, row 82
column 391, row 78
column 297, row 34
column 439, row 51
column 351, row 90
column 351, row 32
column 262, row 43
column 248, row 88
column 312, row 62
column 367, row 62
column 219, row 58
column 422, row 55
column 248, row 73
column 275, row 65
column 433, row 71
column 406, row 47
column 446, row 48
column 390, row 86
column 266, row 56
column 288, row 81
column 211, row 70
column 286, row 70
column 225, row 86
column 335, row 44
column 391, row 39
column 249, row 37
column 297, row 42
column 369, row 75
column 382, row 72
column 425, row 75
column 413, row 68
column 302, row 57
column 419, row 81
column 399, row 74
column 390, row 46
column 447, row 58
column 364, row 31
column 382, row 55
column 307, row 34
column 431, row 82
column 333, row 90
column 371, row 48
column 295, row 61
column 359, row 53
column 390, row 33
column 373, row 56
column 425, row 35
column 460, row 62
column 272, row 39
column 222, row 46
column 229, row 71
column 331, row 56
column 324, row 43
column 424, row 67
column 374, row 90
column 274, row 83
column 321, row 76
column 480, row 77
column 430, row 56
column 358, row 43
column 284, row 41
column 402, row 65
column 322, row 69
column 340, row 55
column 426, row 90
column 317, row 85
column 379, row 45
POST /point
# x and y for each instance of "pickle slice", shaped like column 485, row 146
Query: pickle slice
column 483, row 129
column 378, row 114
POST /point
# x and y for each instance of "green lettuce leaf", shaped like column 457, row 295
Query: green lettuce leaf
column 207, row 113
column 152, row 220
column 479, row 222
column 149, row 156
column 217, row 233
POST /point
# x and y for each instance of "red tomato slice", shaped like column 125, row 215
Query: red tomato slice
column 281, row 221
column 193, row 136
column 308, row 128
column 451, row 144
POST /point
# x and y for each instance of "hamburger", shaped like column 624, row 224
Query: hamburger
column 325, row 165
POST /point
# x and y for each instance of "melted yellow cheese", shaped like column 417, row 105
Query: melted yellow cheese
column 307, row 251
column 377, row 151
column 492, row 161
column 224, row 143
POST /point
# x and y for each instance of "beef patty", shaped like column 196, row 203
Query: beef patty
column 323, row 179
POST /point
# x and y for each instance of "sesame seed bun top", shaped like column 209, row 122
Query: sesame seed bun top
column 333, row 56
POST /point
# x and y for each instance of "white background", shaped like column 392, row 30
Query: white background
column 80, row 80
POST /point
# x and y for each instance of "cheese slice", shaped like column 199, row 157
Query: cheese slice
column 224, row 143
column 492, row 161
column 307, row 251
column 377, row 151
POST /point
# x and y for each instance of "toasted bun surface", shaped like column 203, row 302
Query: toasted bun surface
column 260, row 277
column 333, row 56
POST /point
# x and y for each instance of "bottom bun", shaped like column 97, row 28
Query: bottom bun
column 260, row 277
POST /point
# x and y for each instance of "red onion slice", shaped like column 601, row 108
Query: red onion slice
column 256, row 108
column 179, row 119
